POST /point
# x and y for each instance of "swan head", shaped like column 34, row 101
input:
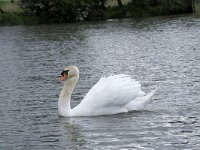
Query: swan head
column 69, row 72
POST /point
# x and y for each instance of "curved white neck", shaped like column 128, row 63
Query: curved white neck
column 64, row 107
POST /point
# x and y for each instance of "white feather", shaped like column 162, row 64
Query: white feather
column 109, row 95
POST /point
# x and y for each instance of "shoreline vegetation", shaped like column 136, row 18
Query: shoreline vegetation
column 34, row 12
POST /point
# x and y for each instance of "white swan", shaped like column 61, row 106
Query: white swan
column 111, row 95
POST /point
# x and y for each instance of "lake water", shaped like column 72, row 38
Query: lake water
column 162, row 52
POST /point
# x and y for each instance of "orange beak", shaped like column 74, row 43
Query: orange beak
column 63, row 77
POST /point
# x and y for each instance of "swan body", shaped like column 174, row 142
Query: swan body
column 110, row 95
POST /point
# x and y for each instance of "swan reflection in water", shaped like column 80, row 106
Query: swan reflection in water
column 72, row 133
column 100, row 131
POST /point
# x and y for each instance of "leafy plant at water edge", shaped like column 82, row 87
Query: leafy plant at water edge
column 64, row 10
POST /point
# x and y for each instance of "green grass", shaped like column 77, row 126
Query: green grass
column 10, row 19
column 9, row 14
column 144, row 9
column 197, row 10
column 17, row 19
column 13, row 15
column 116, row 12
column 127, row 11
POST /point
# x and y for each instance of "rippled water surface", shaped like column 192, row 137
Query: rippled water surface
column 162, row 52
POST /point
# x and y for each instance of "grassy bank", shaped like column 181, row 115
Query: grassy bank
column 12, row 14
column 10, row 18
column 197, row 9
column 145, row 9
column 8, row 6
column 65, row 11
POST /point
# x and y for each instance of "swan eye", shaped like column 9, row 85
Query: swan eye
column 64, row 72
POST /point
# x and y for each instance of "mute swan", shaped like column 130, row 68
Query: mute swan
column 110, row 95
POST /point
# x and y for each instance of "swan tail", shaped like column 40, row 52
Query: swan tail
column 140, row 103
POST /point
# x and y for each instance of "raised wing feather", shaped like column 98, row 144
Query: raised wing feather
column 111, row 93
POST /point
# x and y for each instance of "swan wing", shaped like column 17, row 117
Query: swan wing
column 109, row 96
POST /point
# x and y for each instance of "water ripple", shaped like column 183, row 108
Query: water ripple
column 160, row 52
